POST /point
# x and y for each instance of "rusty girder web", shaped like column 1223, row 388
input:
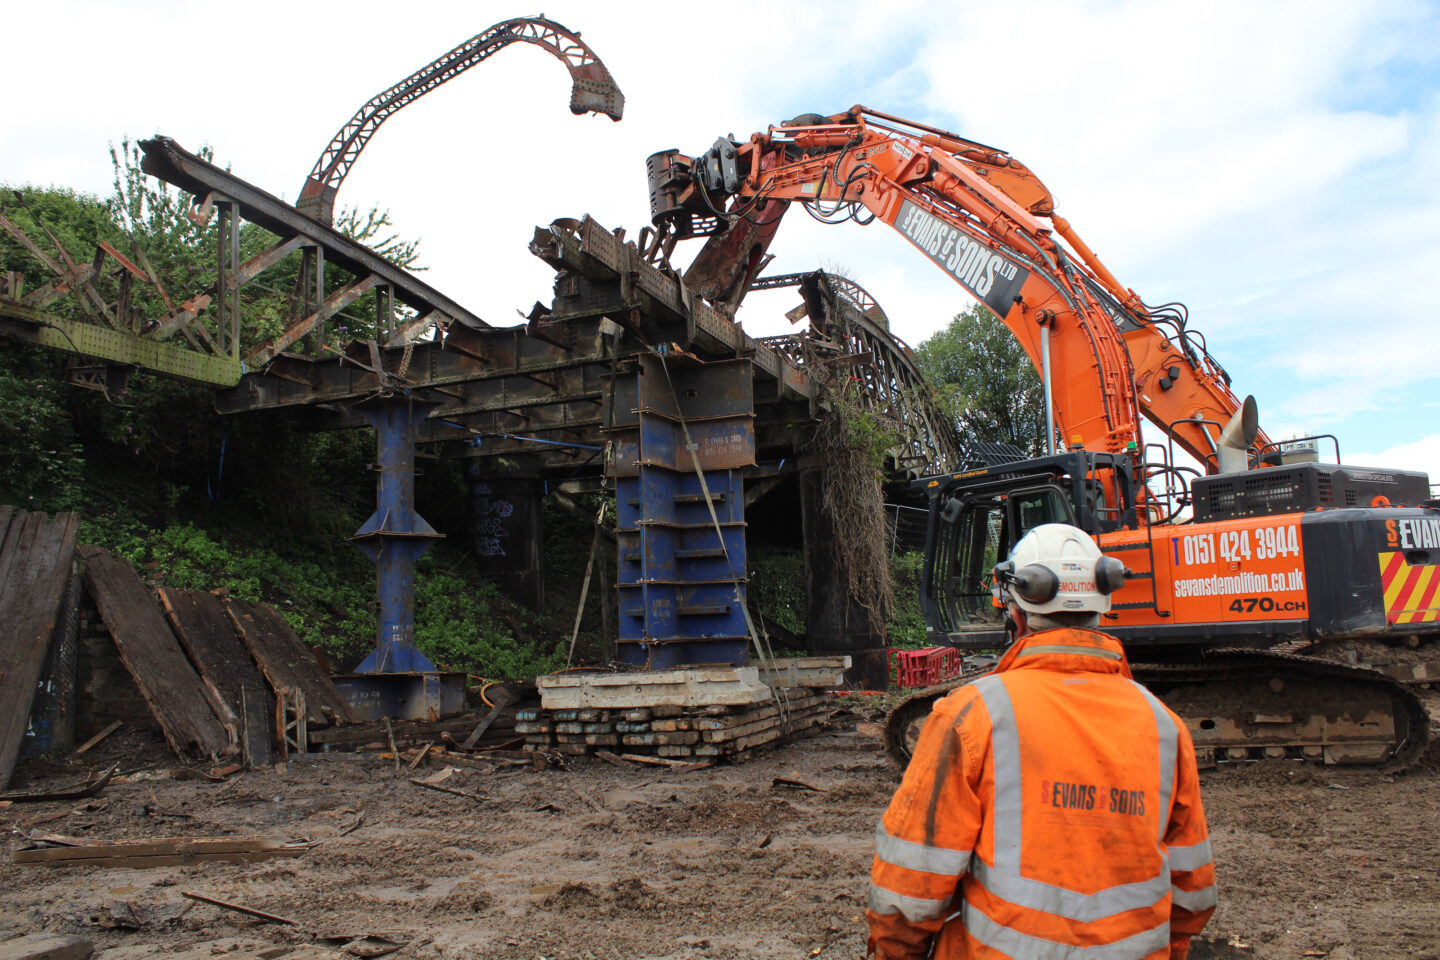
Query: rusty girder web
column 852, row 331
column 840, row 286
column 593, row 90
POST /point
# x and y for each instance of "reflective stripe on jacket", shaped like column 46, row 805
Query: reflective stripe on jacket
column 1051, row 810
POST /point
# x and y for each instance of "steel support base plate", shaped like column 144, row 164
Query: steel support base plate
column 403, row 696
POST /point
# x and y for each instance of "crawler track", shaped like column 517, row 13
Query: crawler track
column 1243, row 705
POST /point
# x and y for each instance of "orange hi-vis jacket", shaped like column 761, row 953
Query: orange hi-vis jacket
column 1051, row 810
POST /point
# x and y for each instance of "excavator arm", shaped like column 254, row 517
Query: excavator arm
column 990, row 224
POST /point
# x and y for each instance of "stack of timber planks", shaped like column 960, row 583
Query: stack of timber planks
column 209, row 668
column 195, row 719
column 675, row 731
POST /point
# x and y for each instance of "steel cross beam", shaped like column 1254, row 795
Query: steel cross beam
column 461, row 370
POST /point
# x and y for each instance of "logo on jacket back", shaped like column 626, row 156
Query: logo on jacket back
column 993, row 279
column 1063, row 795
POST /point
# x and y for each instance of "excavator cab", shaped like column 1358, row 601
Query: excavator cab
column 977, row 517
column 977, row 530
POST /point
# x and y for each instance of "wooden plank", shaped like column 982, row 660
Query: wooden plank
column 482, row 726
column 286, row 662
column 116, row 725
column 46, row 946
column 78, row 792
column 176, row 860
column 209, row 636
column 648, row 760
column 743, row 730
column 655, row 739
column 793, row 706
column 36, row 554
column 183, row 849
column 737, row 746
column 450, row 790
column 152, row 655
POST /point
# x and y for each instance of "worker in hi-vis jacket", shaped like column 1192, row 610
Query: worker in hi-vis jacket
column 1051, row 808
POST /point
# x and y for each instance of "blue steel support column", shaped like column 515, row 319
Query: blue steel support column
column 395, row 536
column 682, row 582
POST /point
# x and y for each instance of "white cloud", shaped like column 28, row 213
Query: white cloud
column 1422, row 454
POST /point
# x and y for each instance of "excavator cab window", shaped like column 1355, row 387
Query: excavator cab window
column 976, row 532
column 1027, row 509
column 975, row 542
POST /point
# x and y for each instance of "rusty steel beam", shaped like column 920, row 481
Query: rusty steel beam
column 333, row 304
column 594, row 90
column 167, row 160
column 620, row 280
column 460, row 357
column 525, row 401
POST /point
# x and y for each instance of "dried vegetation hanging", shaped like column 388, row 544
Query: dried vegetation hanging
column 853, row 443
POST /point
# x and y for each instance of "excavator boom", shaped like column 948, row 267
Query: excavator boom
column 990, row 224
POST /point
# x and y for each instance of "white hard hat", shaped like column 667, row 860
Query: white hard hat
column 1056, row 568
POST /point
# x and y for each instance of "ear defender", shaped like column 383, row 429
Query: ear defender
column 1110, row 575
column 1036, row 583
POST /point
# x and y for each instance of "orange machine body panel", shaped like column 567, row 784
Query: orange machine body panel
column 1230, row 571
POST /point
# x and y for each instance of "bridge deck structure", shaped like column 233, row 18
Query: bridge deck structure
column 625, row 380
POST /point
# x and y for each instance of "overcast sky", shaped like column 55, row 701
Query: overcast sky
column 1274, row 165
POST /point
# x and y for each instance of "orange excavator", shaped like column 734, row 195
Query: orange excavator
column 1280, row 552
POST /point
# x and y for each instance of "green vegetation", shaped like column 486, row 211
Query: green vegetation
column 43, row 466
column 906, row 626
column 777, row 585
column 986, row 381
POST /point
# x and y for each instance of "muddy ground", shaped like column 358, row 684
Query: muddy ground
column 596, row 861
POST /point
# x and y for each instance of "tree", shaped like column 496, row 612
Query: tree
column 986, row 381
